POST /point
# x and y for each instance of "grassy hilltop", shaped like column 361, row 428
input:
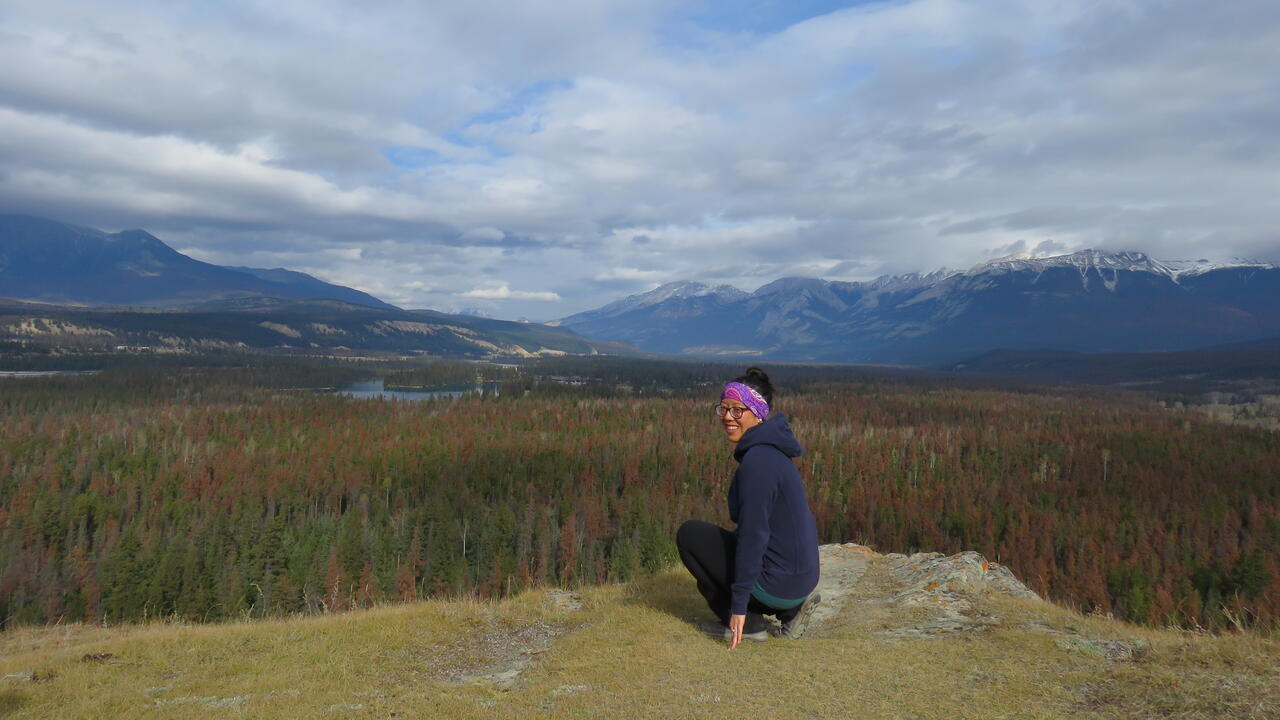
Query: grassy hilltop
column 633, row 650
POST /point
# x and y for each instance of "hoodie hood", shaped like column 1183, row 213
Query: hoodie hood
column 775, row 431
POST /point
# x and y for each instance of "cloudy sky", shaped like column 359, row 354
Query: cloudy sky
column 536, row 159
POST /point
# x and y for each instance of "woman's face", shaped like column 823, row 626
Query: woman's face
column 736, row 427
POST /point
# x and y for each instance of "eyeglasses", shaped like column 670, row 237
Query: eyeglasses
column 734, row 412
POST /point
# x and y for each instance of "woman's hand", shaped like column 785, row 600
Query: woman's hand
column 736, row 623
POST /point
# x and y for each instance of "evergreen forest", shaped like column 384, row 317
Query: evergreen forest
column 205, row 493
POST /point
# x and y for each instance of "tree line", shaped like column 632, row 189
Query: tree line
column 225, row 492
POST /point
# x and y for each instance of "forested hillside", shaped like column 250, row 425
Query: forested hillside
column 219, row 493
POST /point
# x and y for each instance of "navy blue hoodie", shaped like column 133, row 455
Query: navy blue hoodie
column 777, row 536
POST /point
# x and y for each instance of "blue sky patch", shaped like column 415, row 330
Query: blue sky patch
column 764, row 17
column 407, row 157
column 519, row 101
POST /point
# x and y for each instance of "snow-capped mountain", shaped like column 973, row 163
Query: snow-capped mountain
column 1083, row 261
column 682, row 290
column 1091, row 301
column 1086, row 261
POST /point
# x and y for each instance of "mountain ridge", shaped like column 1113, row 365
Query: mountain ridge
column 268, row 324
column 1088, row 301
column 50, row 261
column 679, row 289
column 66, row 288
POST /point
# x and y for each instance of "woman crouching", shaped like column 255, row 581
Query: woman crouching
column 769, row 564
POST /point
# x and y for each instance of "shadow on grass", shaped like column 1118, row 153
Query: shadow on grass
column 11, row 701
column 671, row 591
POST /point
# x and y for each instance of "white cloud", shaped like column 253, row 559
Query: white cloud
column 652, row 277
column 483, row 235
column 348, row 253
column 503, row 292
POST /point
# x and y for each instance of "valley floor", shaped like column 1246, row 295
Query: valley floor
column 884, row 649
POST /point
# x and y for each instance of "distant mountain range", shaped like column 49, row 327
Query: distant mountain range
column 1089, row 301
column 67, row 288
column 54, row 262
column 1084, row 302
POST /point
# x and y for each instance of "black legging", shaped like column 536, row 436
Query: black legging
column 708, row 551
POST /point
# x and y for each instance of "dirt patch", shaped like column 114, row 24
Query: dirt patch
column 1118, row 650
column 564, row 600
column 499, row 652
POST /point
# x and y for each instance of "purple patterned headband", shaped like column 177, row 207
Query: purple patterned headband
column 754, row 401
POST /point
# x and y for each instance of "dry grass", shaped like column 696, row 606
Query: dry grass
column 629, row 652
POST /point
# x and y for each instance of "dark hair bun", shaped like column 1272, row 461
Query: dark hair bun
column 757, row 380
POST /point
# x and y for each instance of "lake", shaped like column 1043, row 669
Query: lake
column 45, row 373
column 377, row 389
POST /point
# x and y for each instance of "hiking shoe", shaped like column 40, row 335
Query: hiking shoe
column 720, row 631
column 796, row 626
